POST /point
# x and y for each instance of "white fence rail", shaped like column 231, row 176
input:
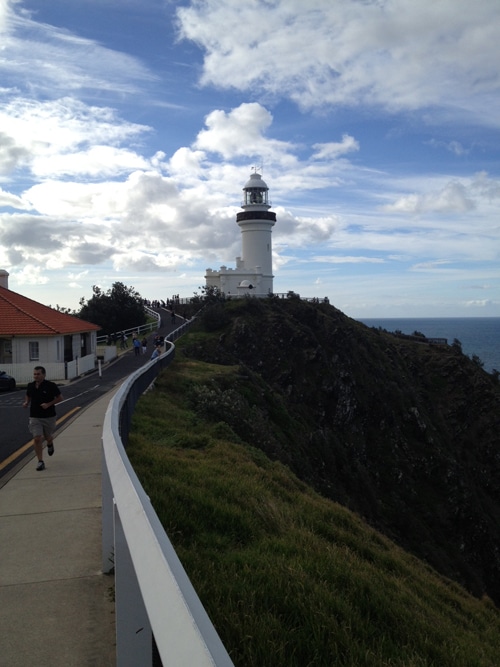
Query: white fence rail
column 158, row 612
column 140, row 330
column 154, row 314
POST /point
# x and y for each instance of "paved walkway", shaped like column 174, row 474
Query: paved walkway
column 56, row 605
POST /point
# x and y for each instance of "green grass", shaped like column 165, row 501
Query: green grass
column 288, row 577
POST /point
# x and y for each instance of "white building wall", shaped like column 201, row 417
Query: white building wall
column 51, row 348
column 21, row 350
column 229, row 282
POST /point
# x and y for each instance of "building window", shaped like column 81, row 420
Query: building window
column 34, row 351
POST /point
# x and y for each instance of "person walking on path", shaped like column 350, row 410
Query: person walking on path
column 144, row 345
column 137, row 346
column 156, row 353
column 42, row 396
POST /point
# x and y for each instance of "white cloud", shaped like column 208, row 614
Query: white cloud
column 106, row 198
column 6, row 15
column 482, row 185
column 240, row 133
column 398, row 55
column 65, row 136
column 482, row 303
column 9, row 200
column 12, row 155
column 182, row 209
column 334, row 149
column 296, row 231
column 97, row 161
column 432, row 266
column 348, row 259
column 32, row 275
column 64, row 63
column 454, row 197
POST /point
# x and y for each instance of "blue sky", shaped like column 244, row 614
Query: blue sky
column 129, row 127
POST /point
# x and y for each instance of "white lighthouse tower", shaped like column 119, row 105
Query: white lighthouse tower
column 254, row 269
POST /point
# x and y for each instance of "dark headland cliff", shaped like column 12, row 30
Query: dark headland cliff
column 404, row 432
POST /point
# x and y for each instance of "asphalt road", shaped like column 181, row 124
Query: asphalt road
column 15, row 439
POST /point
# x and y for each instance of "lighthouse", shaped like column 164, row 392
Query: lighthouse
column 253, row 274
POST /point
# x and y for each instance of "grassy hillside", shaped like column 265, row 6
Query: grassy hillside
column 406, row 434
column 289, row 578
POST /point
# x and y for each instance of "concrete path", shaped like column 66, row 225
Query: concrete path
column 56, row 606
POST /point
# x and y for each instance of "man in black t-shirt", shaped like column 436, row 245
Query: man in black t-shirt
column 42, row 397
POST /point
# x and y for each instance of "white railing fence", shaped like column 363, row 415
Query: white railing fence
column 152, row 313
column 158, row 613
column 140, row 330
column 177, row 333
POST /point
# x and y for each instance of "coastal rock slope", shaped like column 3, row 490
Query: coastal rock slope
column 404, row 432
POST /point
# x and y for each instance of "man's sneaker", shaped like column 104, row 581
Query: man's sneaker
column 41, row 465
column 50, row 449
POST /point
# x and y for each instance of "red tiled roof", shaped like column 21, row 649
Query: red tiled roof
column 20, row 316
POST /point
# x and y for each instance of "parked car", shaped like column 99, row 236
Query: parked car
column 7, row 381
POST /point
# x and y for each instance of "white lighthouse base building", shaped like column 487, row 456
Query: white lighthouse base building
column 253, row 274
column 239, row 281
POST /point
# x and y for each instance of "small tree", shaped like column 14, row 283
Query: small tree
column 477, row 361
column 63, row 309
column 209, row 294
column 117, row 309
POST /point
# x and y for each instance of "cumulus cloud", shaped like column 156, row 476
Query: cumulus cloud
column 240, row 132
column 92, row 189
column 65, row 136
column 486, row 187
column 106, row 203
column 12, row 155
column 28, row 232
column 97, row 161
column 11, row 201
column 31, row 275
column 453, row 198
column 296, row 231
column 398, row 55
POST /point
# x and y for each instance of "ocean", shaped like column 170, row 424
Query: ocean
column 478, row 335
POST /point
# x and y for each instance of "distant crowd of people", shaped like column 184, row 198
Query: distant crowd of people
column 160, row 303
column 139, row 345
